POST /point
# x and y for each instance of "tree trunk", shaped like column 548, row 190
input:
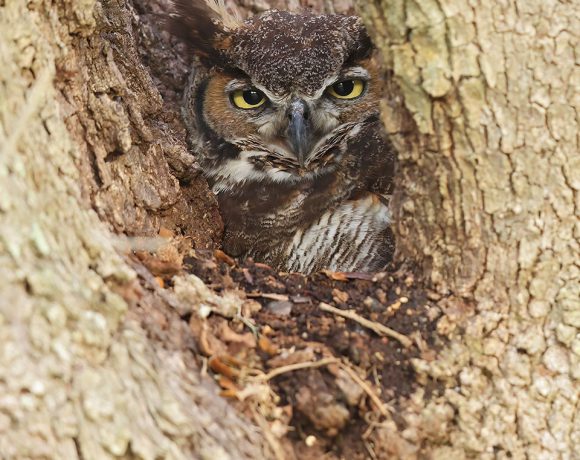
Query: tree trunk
column 482, row 99
column 95, row 361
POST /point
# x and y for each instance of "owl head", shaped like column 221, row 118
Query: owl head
column 276, row 97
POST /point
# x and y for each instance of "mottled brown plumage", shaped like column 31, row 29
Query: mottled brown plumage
column 282, row 112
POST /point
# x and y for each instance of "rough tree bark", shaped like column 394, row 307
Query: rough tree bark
column 484, row 104
column 482, row 100
column 83, row 128
column 95, row 362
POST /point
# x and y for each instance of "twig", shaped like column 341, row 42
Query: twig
column 323, row 362
column 367, row 389
column 249, row 324
column 267, row 295
column 247, row 321
column 372, row 325
column 297, row 366
column 270, row 438
column 370, row 450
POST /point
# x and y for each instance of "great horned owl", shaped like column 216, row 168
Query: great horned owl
column 283, row 113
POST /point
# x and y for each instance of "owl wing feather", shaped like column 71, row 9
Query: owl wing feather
column 205, row 26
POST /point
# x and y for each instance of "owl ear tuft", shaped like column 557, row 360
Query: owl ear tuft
column 362, row 46
column 205, row 25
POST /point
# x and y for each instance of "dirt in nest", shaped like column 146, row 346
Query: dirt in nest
column 325, row 370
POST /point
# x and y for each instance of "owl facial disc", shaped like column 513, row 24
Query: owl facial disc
column 268, row 105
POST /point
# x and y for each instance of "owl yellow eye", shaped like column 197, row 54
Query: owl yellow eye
column 346, row 89
column 248, row 98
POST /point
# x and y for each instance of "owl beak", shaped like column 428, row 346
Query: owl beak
column 298, row 129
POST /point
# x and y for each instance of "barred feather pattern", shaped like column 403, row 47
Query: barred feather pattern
column 231, row 20
column 346, row 239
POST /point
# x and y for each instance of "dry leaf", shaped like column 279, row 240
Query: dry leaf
column 267, row 346
column 360, row 276
column 229, row 393
column 220, row 365
column 227, row 384
column 223, row 257
column 165, row 233
column 159, row 267
column 260, row 265
column 336, row 276
column 340, row 296
column 227, row 335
